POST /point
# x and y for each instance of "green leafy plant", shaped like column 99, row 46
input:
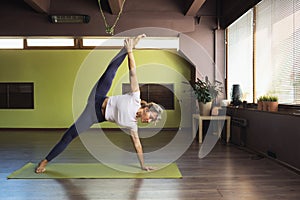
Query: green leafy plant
column 205, row 91
column 262, row 98
column 268, row 98
column 273, row 98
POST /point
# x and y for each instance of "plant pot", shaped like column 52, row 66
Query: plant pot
column 205, row 108
column 273, row 106
column 259, row 105
column 265, row 106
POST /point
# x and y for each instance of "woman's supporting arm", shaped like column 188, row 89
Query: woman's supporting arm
column 139, row 150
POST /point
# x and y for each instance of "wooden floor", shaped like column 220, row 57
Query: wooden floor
column 227, row 173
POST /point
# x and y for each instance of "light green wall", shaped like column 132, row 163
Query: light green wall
column 63, row 79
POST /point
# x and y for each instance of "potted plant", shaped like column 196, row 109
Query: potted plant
column 267, row 103
column 206, row 93
column 273, row 103
column 262, row 103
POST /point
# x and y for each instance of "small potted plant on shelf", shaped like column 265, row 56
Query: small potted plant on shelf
column 267, row 103
column 206, row 92
column 262, row 103
column 273, row 103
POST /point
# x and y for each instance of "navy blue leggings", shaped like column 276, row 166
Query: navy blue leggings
column 92, row 113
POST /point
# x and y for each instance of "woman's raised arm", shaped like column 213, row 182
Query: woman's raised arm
column 134, row 85
column 130, row 44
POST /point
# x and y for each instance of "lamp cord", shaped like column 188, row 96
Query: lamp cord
column 111, row 29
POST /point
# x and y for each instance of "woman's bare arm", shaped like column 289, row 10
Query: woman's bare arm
column 129, row 45
column 134, row 85
column 139, row 150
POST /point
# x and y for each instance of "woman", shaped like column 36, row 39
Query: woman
column 124, row 110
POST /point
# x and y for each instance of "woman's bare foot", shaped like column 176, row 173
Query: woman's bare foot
column 137, row 39
column 41, row 168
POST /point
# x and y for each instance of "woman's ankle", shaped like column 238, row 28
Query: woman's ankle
column 43, row 162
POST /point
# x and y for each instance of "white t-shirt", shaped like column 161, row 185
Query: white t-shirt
column 122, row 110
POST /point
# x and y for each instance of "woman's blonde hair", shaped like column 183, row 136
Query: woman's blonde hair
column 153, row 107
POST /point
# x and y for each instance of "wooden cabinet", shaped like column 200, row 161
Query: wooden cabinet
column 273, row 134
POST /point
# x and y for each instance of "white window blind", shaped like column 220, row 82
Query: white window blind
column 240, row 55
column 297, row 51
column 277, row 54
column 263, row 48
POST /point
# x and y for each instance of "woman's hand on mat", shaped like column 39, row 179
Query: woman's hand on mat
column 148, row 168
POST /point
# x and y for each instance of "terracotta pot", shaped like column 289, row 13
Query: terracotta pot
column 265, row 106
column 205, row 108
column 273, row 106
column 259, row 105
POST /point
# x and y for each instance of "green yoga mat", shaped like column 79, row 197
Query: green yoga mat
column 94, row 171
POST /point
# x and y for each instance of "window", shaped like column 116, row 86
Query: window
column 161, row 94
column 66, row 42
column 296, row 52
column 16, row 96
column 107, row 42
column 240, row 55
column 11, row 43
column 276, row 50
column 50, row 42
column 146, row 43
